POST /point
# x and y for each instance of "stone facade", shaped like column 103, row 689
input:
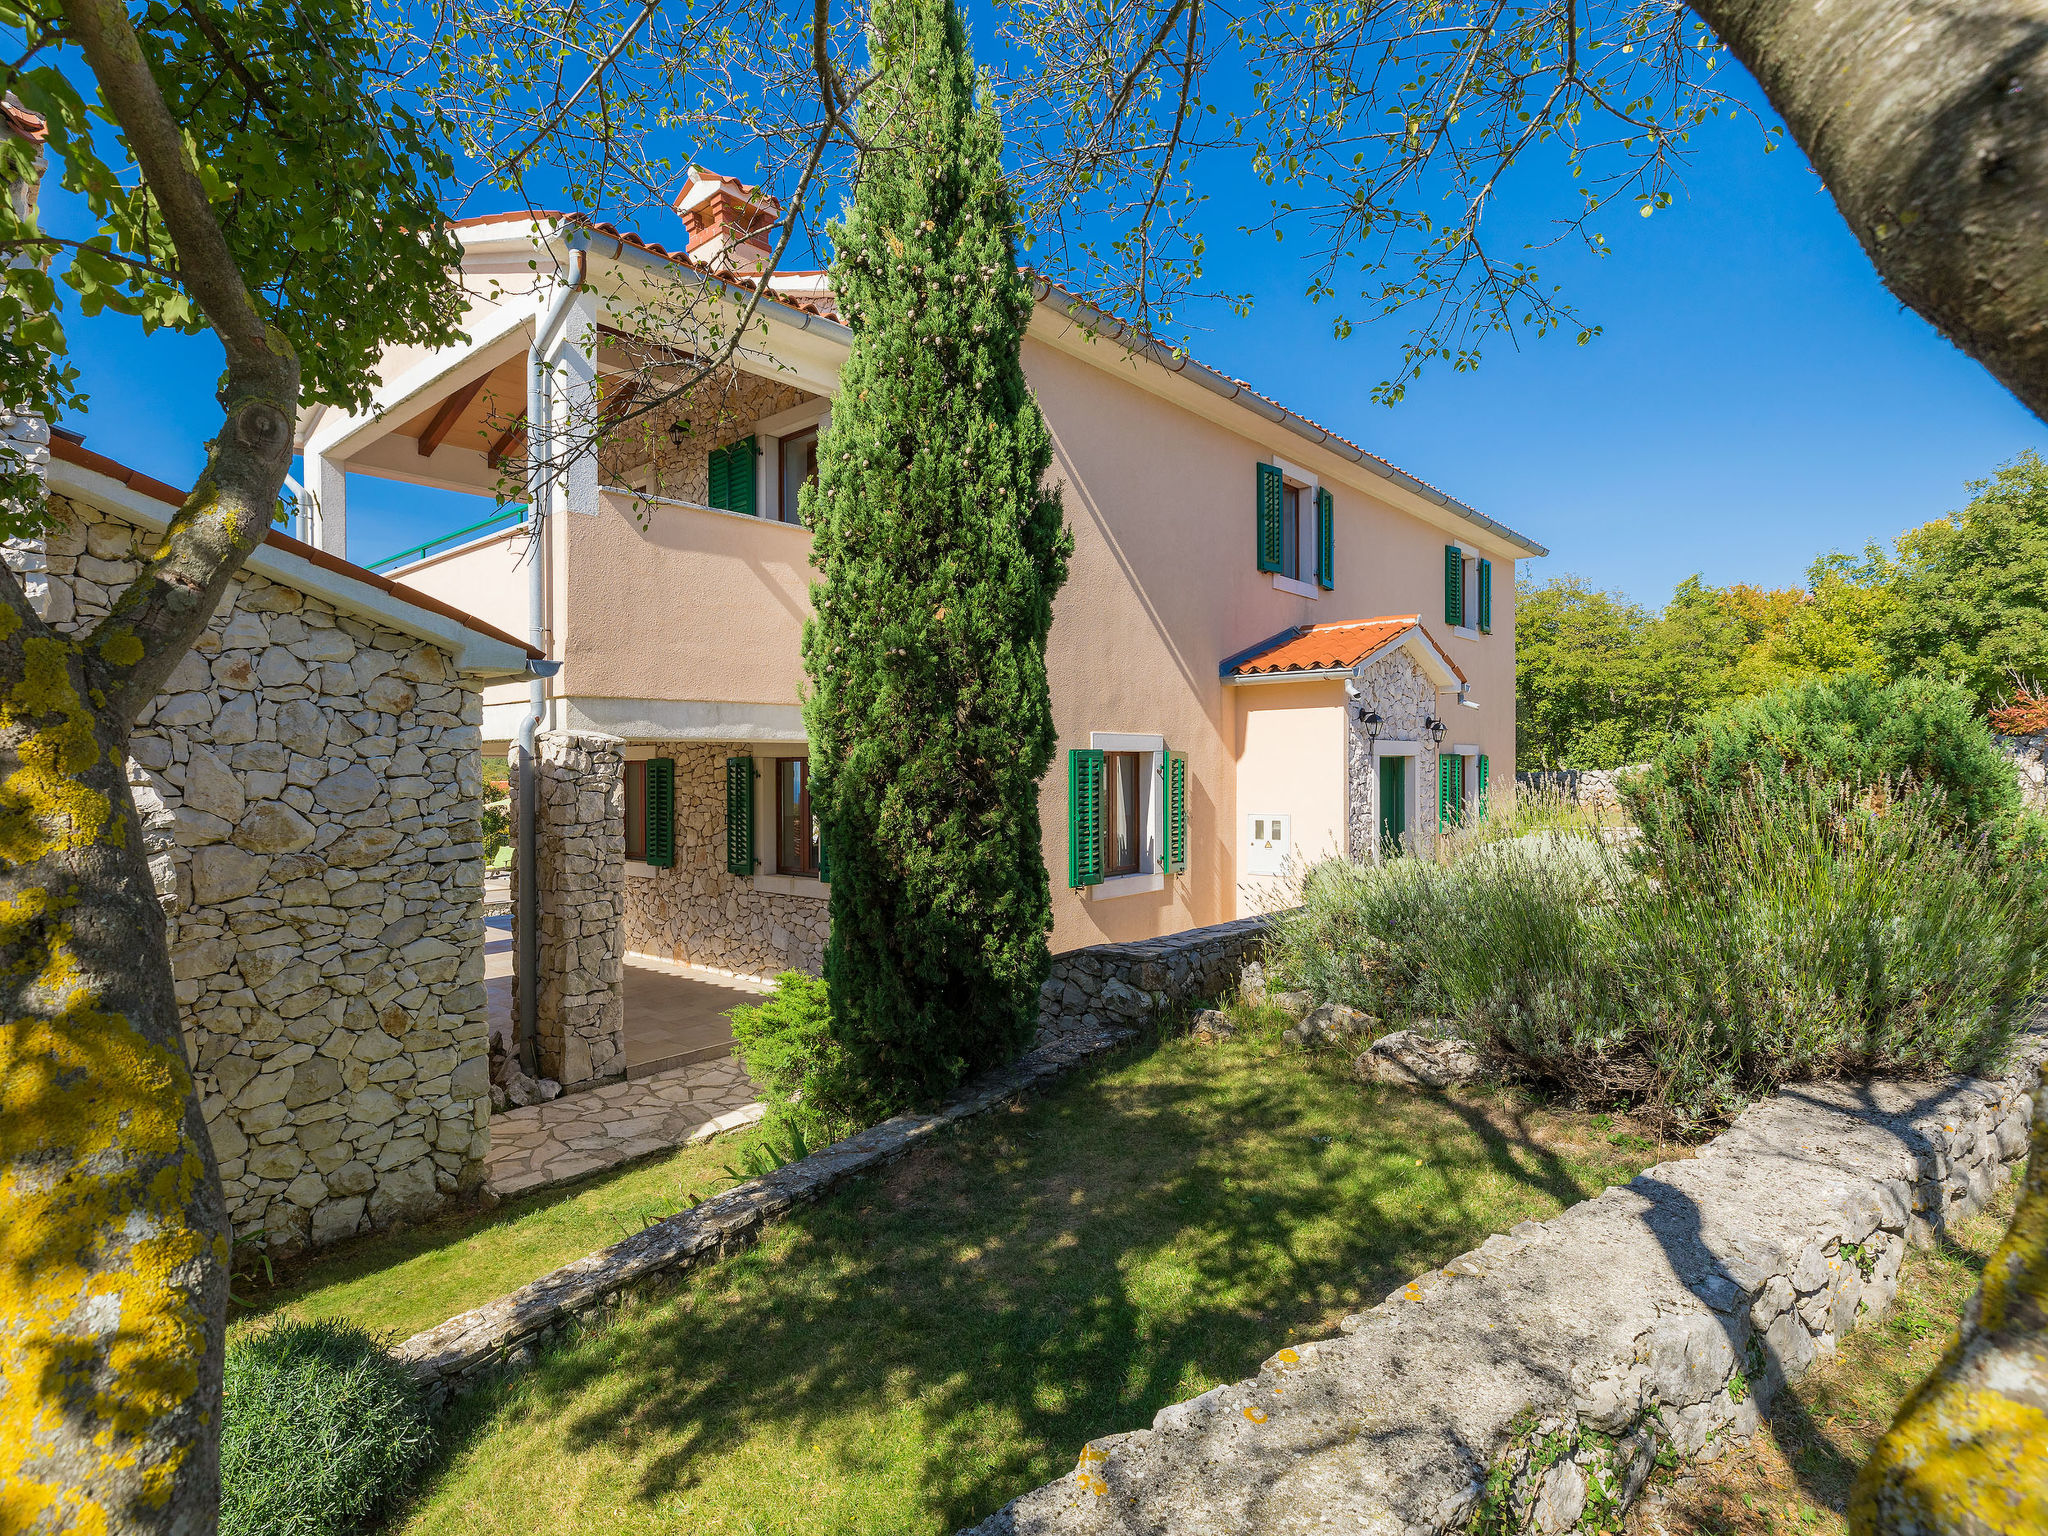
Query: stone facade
column 720, row 409
column 1550, row 1368
column 2029, row 756
column 697, row 912
column 579, row 863
column 309, row 785
column 1394, row 687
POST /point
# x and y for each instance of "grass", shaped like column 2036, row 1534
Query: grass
column 398, row 1283
column 932, row 1340
column 1795, row 1475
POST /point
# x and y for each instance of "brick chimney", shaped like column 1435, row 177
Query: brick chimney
column 728, row 222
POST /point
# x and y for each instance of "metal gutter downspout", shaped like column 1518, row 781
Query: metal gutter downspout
column 539, row 486
column 1132, row 339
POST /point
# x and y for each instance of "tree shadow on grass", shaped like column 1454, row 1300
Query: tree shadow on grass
column 960, row 1325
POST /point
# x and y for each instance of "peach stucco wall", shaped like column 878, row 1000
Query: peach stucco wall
column 1290, row 761
column 1164, row 585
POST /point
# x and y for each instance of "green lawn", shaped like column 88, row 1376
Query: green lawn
column 403, row 1282
column 932, row 1340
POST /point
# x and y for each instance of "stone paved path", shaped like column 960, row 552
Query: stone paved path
column 587, row 1132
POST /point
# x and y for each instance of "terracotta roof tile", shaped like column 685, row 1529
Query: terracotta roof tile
column 1338, row 647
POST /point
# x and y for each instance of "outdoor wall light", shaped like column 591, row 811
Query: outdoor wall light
column 677, row 431
column 1435, row 727
column 1372, row 724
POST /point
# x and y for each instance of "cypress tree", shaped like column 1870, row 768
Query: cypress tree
column 941, row 546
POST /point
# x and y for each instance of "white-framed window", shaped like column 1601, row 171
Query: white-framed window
column 1299, row 500
column 1133, row 813
column 789, row 457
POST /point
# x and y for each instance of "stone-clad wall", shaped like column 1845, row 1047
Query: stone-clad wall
column 1108, row 985
column 697, row 913
column 309, row 785
column 579, row 856
column 1394, row 687
column 1591, row 789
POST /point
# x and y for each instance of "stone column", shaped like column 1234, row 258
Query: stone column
column 580, row 869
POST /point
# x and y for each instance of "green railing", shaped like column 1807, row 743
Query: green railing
column 507, row 518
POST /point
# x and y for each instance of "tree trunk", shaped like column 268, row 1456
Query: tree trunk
column 1968, row 1452
column 113, row 1232
column 1928, row 121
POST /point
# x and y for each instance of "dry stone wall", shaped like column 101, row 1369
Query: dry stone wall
column 1132, row 985
column 309, row 786
column 1534, row 1381
column 698, row 913
column 1592, row 789
column 579, row 864
column 2029, row 756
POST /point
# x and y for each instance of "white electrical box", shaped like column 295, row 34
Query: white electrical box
column 1269, row 839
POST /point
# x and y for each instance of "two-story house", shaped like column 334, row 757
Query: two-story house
column 1273, row 646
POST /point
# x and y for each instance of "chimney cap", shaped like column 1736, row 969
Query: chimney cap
column 723, row 209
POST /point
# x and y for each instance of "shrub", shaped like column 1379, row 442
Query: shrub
column 1916, row 733
column 1803, row 932
column 320, row 1430
column 2026, row 715
column 787, row 1045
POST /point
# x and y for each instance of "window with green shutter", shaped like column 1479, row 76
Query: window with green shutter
column 1482, row 786
column 1270, row 487
column 1084, row 817
column 1454, row 586
column 1326, row 539
column 1176, row 813
column 660, row 791
column 1486, row 597
column 1450, row 791
column 739, row 815
column 732, row 477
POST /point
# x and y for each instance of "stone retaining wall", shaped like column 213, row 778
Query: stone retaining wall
column 1541, row 1372
column 1592, row 789
column 1132, row 984
column 2029, row 756
column 309, row 786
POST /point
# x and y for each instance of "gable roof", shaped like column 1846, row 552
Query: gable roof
column 810, row 293
column 286, row 559
column 1332, row 650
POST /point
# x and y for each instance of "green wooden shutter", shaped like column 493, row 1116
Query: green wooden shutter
column 1176, row 813
column 1446, row 767
column 1454, row 586
column 739, row 815
column 1326, row 539
column 714, row 494
column 739, row 475
column 1268, row 520
column 660, row 791
column 1486, row 597
column 1482, row 786
column 1084, row 817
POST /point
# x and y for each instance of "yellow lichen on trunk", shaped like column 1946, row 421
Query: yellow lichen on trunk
column 1968, row 1453
column 102, row 1325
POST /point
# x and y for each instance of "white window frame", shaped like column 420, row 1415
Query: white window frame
column 640, row 752
column 764, row 878
column 1471, row 800
column 1468, row 588
column 1304, row 531
column 1151, row 875
column 769, row 431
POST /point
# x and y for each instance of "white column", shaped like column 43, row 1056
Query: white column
column 577, row 407
column 324, row 524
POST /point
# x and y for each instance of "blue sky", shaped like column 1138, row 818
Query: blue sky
column 1756, row 397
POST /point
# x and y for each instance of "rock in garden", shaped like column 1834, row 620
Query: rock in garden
column 1251, row 982
column 1296, row 1003
column 1420, row 1061
column 1334, row 1024
column 549, row 1090
column 1211, row 1026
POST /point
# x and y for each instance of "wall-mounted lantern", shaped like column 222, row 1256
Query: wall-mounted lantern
column 1435, row 727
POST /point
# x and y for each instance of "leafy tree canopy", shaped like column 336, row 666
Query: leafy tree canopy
column 1602, row 681
column 324, row 188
